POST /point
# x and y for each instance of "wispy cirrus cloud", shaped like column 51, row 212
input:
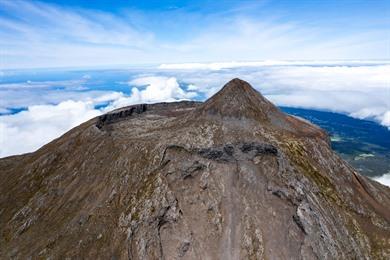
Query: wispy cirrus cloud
column 39, row 34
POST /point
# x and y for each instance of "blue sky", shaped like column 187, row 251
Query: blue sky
column 78, row 33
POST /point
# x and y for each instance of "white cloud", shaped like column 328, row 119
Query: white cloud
column 28, row 130
column 384, row 179
column 29, row 93
column 385, row 120
column 361, row 90
column 36, row 85
column 240, row 64
column 109, row 97
column 244, row 38
column 4, row 110
column 153, row 89
column 380, row 114
column 192, row 87
column 35, row 37
column 161, row 88
column 24, row 98
column 124, row 100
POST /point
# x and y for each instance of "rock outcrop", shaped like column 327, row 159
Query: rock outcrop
column 122, row 114
column 231, row 178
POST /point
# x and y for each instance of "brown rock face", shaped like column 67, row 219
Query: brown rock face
column 231, row 178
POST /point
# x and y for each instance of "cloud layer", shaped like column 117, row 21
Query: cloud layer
column 240, row 64
column 28, row 130
column 151, row 90
column 384, row 179
column 360, row 89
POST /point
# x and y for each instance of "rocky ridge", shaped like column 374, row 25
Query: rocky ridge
column 230, row 178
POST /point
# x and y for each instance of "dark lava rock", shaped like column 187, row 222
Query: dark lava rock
column 112, row 117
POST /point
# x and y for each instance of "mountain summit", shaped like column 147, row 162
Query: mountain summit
column 238, row 99
column 230, row 178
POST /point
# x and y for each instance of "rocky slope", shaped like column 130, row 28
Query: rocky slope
column 231, row 178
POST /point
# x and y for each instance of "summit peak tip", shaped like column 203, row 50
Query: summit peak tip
column 237, row 98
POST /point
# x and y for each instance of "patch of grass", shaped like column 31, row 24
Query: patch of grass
column 299, row 156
